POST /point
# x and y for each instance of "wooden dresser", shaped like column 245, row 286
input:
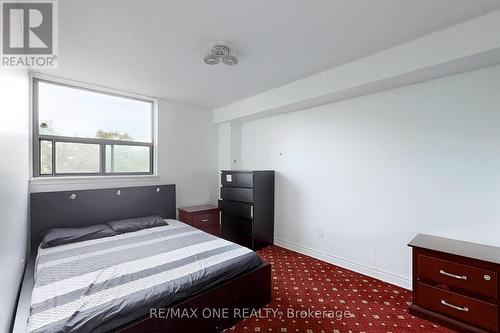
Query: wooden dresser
column 456, row 283
column 247, row 207
column 205, row 217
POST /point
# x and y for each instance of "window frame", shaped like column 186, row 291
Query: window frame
column 37, row 138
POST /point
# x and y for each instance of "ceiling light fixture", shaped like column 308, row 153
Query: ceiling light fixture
column 220, row 52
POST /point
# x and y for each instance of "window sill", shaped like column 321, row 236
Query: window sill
column 49, row 184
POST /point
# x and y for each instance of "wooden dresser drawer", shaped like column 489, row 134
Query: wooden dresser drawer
column 206, row 220
column 237, row 194
column 236, row 208
column 236, row 179
column 467, row 309
column 235, row 236
column 464, row 277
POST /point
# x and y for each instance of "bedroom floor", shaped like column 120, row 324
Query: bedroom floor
column 359, row 303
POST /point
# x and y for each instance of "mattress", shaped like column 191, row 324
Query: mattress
column 101, row 284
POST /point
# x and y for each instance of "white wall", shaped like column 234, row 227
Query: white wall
column 375, row 170
column 469, row 45
column 188, row 153
column 229, row 146
column 14, row 171
column 187, row 157
column 225, row 143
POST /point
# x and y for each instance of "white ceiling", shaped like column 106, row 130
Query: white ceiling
column 156, row 47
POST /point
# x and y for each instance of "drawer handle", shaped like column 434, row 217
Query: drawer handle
column 459, row 308
column 204, row 220
column 463, row 277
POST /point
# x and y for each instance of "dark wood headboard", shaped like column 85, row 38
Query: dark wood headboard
column 71, row 209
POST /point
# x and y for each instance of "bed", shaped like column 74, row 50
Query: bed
column 121, row 283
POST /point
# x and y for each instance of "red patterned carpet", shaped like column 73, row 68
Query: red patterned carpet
column 347, row 301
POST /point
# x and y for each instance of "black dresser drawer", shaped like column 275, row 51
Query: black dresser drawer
column 237, row 179
column 236, row 208
column 236, row 223
column 237, row 194
column 239, row 238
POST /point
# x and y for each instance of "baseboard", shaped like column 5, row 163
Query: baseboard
column 358, row 268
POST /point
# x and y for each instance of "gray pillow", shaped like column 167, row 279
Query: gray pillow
column 138, row 223
column 59, row 236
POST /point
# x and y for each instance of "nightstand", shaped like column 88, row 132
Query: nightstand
column 456, row 283
column 204, row 217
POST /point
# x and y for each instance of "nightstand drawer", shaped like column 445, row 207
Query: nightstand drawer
column 214, row 230
column 467, row 309
column 206, row 220
column 464, row 277
column 204, row 217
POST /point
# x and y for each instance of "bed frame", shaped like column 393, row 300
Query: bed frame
column 251, row 290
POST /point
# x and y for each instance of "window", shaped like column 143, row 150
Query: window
column 79, row 131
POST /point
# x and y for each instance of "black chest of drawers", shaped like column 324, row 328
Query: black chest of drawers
column 247, row 207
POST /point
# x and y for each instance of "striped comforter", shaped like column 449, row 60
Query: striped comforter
column 101, row 284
